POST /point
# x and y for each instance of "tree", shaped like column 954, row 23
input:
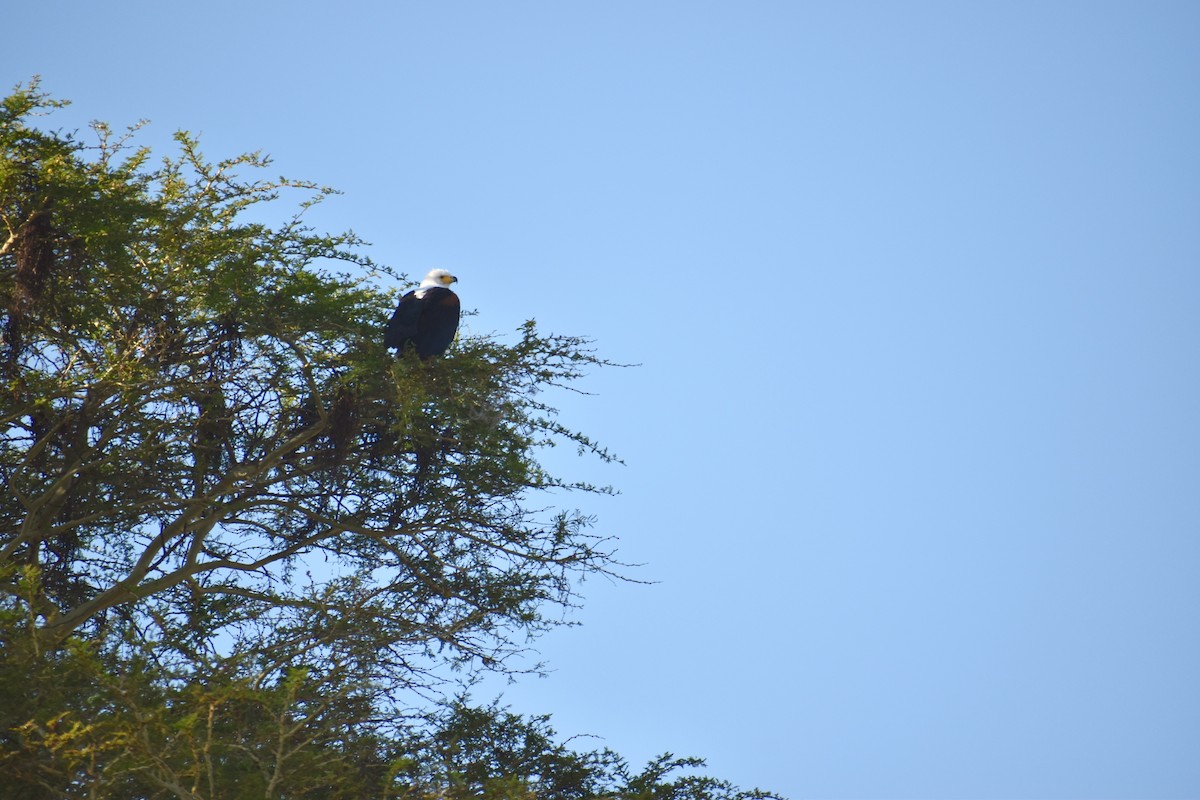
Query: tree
column 240, row 542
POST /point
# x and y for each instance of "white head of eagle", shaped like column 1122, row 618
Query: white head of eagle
column 426, row 318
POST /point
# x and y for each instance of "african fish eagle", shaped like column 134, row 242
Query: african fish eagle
column 427, row 317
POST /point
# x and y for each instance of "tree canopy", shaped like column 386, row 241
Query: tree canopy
column 243, row 547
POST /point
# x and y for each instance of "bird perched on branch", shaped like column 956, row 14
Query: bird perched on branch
column 426, row 318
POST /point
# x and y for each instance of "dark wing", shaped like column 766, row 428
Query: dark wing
column 437, row 321
column 402, row 327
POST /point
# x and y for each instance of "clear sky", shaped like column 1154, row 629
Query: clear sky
column 913, row 451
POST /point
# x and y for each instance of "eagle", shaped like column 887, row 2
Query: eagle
column 426, row 318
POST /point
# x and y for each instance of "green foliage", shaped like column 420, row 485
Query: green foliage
column 240, row 542
column 196, row 405
column 464, row 751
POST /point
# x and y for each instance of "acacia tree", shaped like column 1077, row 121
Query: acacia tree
column 240, row 540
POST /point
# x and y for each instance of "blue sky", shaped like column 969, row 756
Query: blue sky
column 913, row 450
